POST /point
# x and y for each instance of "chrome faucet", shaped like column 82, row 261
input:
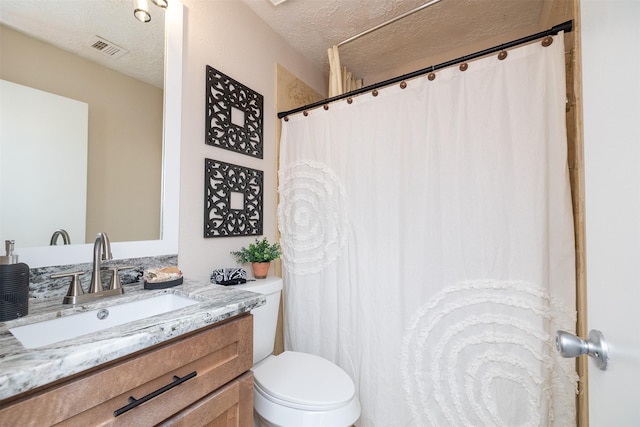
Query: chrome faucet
column 66, row 240
column 101, row 251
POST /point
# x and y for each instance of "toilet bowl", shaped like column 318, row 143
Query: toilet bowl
column 300, row 389
column 294, row 389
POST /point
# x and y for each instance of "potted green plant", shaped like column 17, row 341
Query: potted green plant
column 259, row 254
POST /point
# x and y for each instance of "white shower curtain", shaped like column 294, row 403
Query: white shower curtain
column 428, row 244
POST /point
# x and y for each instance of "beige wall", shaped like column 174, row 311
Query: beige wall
column 228, row 36
column 125, row 132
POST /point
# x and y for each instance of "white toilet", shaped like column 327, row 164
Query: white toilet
column 294, row 389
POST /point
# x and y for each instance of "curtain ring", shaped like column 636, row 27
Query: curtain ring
column 326, row 107
column 349, row 100
column 403, row 85
column 306, row 113
column 374, row 92
column 502, row 55
column 464, row 66
column 432, row 76
column 286, row 118
column 547, row 41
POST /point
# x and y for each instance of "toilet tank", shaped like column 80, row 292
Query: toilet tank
column 265, row 317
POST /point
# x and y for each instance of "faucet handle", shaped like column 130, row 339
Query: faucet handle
column 75, row 287
column 115, row 277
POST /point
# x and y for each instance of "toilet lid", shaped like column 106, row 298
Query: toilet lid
column 304, row 381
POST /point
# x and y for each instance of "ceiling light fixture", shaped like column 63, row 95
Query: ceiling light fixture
column 142, row 15
column 161, row 3
column 141, row 8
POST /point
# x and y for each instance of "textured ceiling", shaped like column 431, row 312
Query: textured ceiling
column 312, row 26
column 309, row 26
column 70, row 24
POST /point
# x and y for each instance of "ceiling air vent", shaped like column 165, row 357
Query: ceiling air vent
column 106, row 47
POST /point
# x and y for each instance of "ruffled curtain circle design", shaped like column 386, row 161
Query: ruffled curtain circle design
column 477, row 347
column 313, row 217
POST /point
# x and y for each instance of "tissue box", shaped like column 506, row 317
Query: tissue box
column 228, row 276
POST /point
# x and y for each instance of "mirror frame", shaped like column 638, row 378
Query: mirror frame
column 168, row 243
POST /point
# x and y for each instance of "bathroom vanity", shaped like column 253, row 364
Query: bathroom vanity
column 186, row 367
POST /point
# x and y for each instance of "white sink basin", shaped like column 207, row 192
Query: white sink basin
column 63, row 328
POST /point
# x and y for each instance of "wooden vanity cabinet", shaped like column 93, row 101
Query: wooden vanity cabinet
column 201, row 379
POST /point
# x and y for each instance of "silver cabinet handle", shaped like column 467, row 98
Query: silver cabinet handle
column 569, row 345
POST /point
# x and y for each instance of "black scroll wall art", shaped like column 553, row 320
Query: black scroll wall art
column 233, row 200
column 234, row 115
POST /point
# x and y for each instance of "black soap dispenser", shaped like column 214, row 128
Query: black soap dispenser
column 14, row 285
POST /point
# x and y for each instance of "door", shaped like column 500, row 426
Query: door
column 610, row 32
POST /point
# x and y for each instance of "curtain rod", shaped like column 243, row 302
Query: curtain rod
column 565, row 26
column 390, row 21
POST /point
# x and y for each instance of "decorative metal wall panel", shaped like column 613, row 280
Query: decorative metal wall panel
column 232, row 200
column 234, row 115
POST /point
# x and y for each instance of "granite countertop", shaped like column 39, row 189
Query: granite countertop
column 24, row 369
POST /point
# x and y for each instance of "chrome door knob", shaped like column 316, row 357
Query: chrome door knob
column 569, row 345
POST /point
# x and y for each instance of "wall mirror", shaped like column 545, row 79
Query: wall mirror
column 165, row 240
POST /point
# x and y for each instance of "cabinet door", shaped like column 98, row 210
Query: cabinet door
column 230, row 406
column 207, row 360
